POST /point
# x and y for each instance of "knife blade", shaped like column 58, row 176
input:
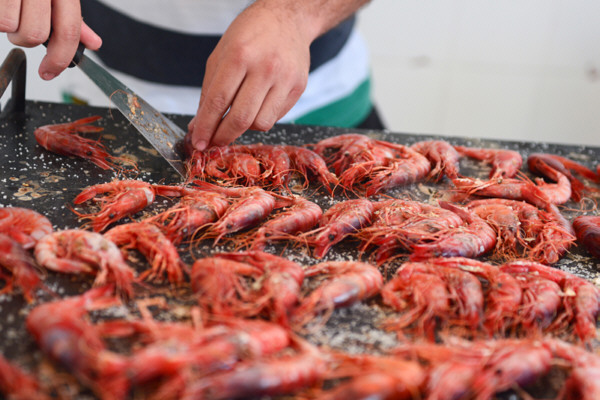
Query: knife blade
column 163, row 134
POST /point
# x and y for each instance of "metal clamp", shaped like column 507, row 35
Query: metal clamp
column 14, row 68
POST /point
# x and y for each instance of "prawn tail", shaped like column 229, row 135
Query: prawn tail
column 312, row 312
column 123, row 280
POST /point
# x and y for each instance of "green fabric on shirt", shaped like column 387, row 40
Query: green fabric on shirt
column 346, row 112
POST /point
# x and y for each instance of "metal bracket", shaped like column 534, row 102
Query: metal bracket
column 14, row 68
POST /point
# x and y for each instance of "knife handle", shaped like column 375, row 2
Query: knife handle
column 78, row 54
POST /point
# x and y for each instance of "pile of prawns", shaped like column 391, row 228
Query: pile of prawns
column 497, row 326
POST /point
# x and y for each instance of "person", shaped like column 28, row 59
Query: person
column 258, row 64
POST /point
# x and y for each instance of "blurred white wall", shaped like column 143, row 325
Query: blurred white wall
column 511, row 69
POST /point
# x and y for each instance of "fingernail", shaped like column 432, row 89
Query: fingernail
column 48, row 75
column 200, row 145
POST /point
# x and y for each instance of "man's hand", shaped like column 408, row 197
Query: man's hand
column 254, row 76
column 260, row 67
column 28, row 22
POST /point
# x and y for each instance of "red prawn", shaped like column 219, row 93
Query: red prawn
column 513, row 362
column 171, row 349
column 443, row 157
column 16, row 384
column 541, row 162
column 505, row 221
column 63, row 139
column 540, row 235
column 24, row 225
column 581, row 299
column 248, row 165
column 505, row 163
column 63, row 334
column 555, row 237
column 124, row 198
column 266, row 376
column 305, row 160
column 375, row 165
column 375, row 377
column 195, row 211
column 540, row 195
column 422, row 296
column 554, row 170
column 149, row 240
column 23, row 271
column 341, row 151
column 299, row 215
column 234, row 166
column 583, row 382
column 405, row 167
column 77, row 251
column 222, row 286
column 281, row 281
column 461, row 296
column 210, row 163
column 402, row 224
column 338, row 222
column 346, row 282
column 276, row 160
column 473, row 239
column 582, row 307
column 251, row 206
column 478, row 369
column 587, row 229
column 503, row 293
column 247, row 284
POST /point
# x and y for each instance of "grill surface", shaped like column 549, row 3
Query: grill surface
column 34, row 178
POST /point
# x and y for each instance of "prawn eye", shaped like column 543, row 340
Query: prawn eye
column 267, row 234
column 331, row 237
column 229, row 226
column 111, row 215
column 89, row 153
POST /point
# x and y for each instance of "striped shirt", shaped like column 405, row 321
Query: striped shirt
column 161, row 51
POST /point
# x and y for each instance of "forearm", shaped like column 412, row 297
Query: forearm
column 312, row 17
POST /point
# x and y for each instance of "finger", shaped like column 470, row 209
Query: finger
column 277, row 103
column 10, row 12
column 243, row 111
column 34, row 23
column 207, row 80
column 89, row 38
column 191, row 124
column 214, row 103
column 66, row 32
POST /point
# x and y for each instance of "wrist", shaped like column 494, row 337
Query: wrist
column 302, row 16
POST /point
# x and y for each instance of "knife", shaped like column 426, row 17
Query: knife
column 162, row 133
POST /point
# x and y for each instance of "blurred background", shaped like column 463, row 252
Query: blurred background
column 512, row 69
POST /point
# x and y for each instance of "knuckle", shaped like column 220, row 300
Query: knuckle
column 264, row 123
column 211, row 60
column 216, row 104
column 297, row 89
column 70, row 33
column 59, row 65
column 271, row 66
column 34, row 37
column 241, row 54
column 8, row 24
column 240, row 121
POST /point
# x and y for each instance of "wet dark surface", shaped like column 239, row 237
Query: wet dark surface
column 34, row 178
